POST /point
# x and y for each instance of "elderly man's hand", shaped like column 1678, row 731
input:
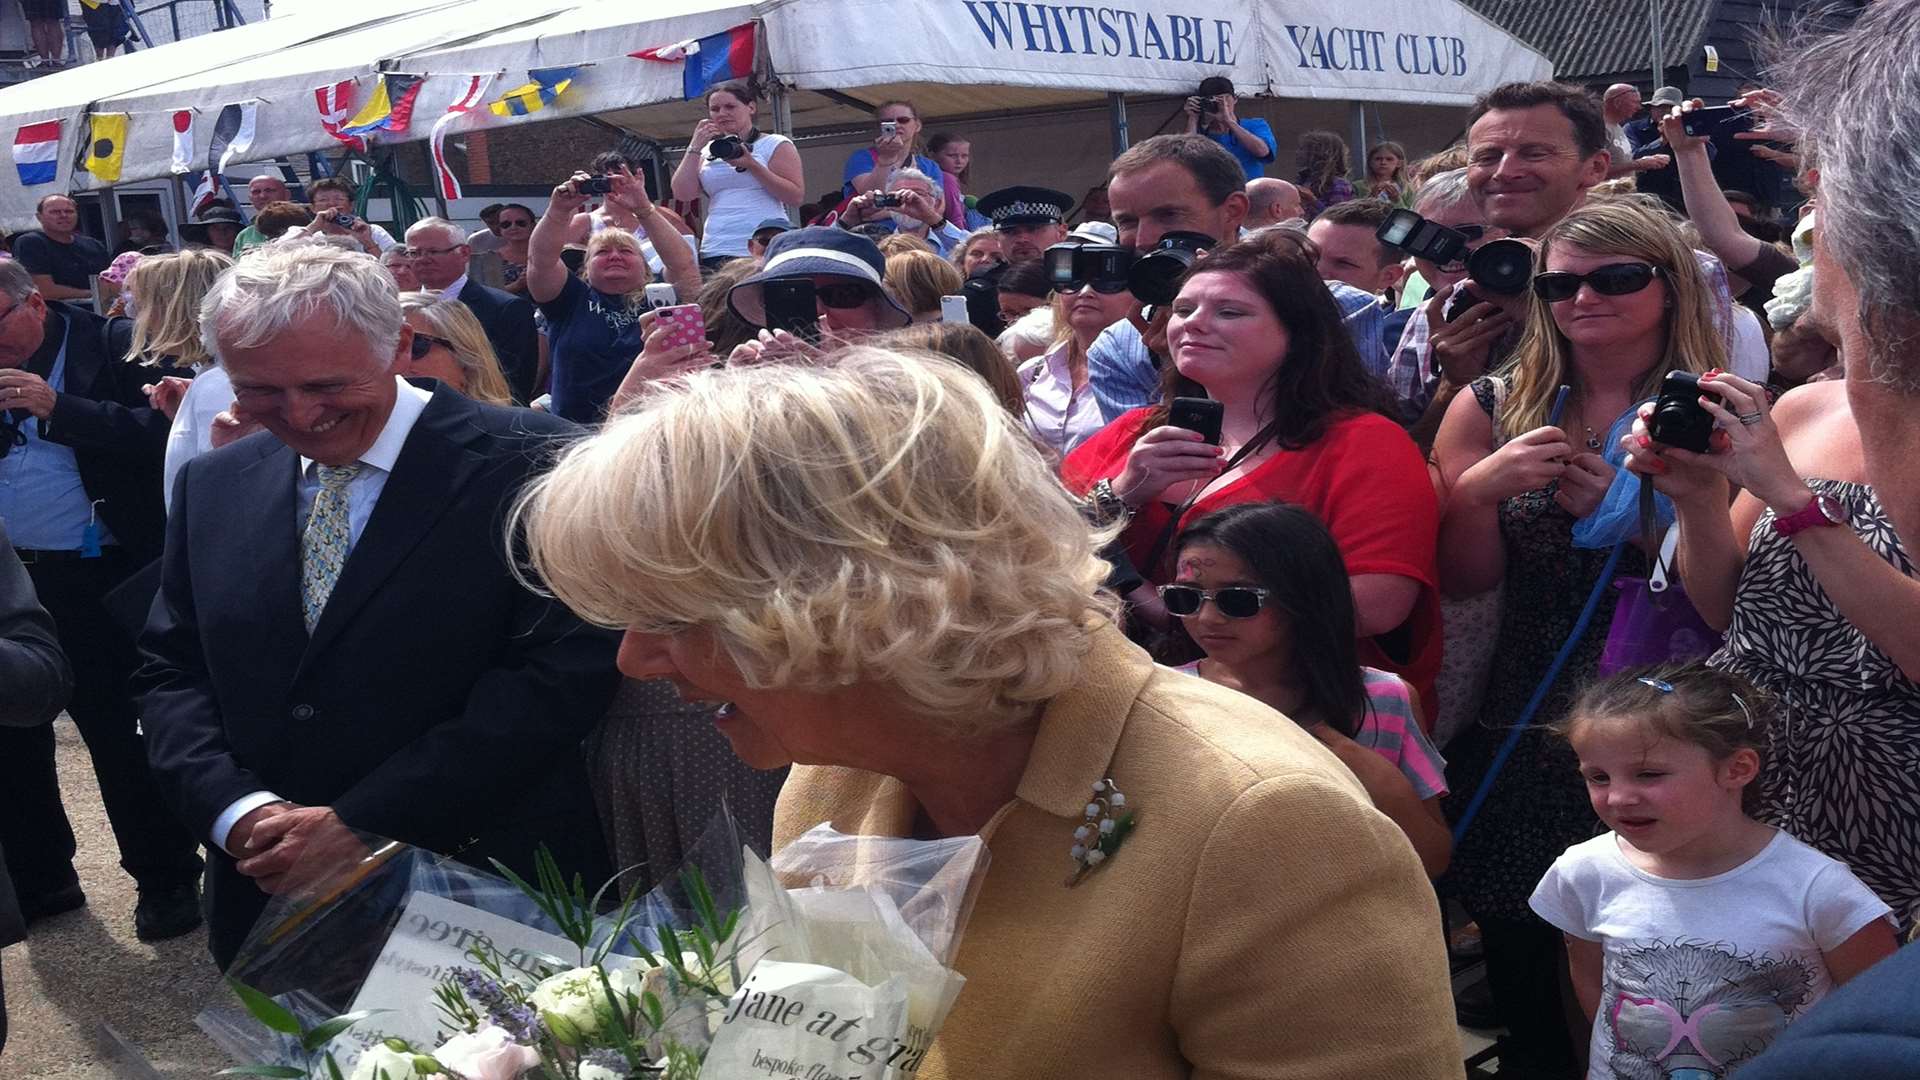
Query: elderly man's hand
column 25, row 390
column 303, row 844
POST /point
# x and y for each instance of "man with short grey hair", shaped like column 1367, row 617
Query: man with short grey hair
column 293, row 694
column 439, row 255
column 913, row 204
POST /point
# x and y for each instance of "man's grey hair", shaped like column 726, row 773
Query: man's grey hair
column 1851, row 95
column 15, row 281
column 264, row 294
column 911, row 174
column 1442, row 191
column 454, row 232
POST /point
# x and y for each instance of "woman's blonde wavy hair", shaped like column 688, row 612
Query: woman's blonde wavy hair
column 1543, row 360
column 166, row 291
column 877, row 519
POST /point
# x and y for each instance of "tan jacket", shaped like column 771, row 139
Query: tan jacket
column 1262, row 921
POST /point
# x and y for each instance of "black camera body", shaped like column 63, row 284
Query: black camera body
column 1679, row 419
column 727, row 148
column 596, row 185
column 1421, row 238
column 343, row 219
column 1501, row 266
column 1104, row 266
column 1155, row 276
column 1209, row 104
column 889, row 199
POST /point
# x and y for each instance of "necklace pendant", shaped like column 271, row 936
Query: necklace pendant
column 1593, row 442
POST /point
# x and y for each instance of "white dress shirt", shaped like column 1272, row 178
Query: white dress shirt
column 208, row 395
column 452, row 292
column 1058, row 413
column 363, row 493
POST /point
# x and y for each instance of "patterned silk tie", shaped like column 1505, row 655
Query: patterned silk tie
column 323, row 547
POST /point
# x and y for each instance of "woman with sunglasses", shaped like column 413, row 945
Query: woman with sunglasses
column 516, row 229
column 1617, row 301
column 1262, row 590
column 1255, row 329
column 1061, row 410
column 450, row 345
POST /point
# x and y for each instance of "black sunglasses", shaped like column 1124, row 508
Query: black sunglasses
column 1235, row 602
column 1613, row 279
column 424, row 343
column 851, row 294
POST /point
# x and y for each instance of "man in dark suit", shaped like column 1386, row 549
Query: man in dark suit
column 440, row 256
column 37, row 682
column 79, row 494
column 340, row 643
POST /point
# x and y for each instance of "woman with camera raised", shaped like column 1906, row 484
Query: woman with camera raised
column 746, row 174
column 593, row 325
column 1807, row 578
column 1300, row 421
column 1617, row 301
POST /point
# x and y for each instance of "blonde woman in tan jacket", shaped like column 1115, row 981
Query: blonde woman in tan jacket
column 873, row 568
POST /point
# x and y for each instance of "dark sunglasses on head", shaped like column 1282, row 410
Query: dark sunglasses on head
column 851, row 294
column 1235, row 602
column 424, row 343
column 1614, row 279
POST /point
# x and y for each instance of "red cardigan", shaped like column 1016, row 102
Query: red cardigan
column 1363, row 478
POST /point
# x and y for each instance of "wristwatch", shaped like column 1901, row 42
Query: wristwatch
column 1824, row 511
column 1108, row 504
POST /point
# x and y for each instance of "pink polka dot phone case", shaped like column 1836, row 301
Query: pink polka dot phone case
column 685, row 326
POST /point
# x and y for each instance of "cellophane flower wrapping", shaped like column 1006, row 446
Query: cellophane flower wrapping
column 835, row 960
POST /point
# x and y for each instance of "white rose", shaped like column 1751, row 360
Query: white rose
column 578, row 997
column 487, row 1054
column 381, row 1059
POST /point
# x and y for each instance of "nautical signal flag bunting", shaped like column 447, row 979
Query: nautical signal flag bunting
column 36, row 152
column 714, row 59
column 542, row 87
column 390, row 108
column 106, row 147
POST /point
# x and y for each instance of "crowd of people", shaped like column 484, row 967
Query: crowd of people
column 1477, row 558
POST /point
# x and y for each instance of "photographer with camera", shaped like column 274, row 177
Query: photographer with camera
column 1211, row 113
column 1617, row 301
column 611, row 214
column 1750, row 262
column 593, row 325
column 815, row 282
column 745, row 174
column 332, row 200
column 912, row 205
column 897, row 147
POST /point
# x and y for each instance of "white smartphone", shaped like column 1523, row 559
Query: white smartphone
column 660, row 295
column 953, row 309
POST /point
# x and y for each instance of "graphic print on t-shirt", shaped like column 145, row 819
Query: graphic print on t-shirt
column 1691, row 1010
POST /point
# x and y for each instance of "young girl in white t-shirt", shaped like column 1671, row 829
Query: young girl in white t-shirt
column 1694, row 932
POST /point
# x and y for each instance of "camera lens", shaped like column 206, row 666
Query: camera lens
column 1155, row 277
column 1501, row 266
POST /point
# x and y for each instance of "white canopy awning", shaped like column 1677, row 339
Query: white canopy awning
column 954, row 57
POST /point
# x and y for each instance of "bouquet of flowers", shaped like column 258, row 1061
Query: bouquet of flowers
column 833, row 961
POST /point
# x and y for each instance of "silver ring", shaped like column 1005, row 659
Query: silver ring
column 1751, row 418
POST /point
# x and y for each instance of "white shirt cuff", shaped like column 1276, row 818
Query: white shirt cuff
column 231, row 816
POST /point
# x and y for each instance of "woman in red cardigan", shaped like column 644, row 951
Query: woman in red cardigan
column 1255, row 329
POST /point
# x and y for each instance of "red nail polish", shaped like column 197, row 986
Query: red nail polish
column 1645, row 440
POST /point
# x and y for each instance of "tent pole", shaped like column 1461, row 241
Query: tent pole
column 1117, row 110
column 782, row 110
column 179, row 189
column 1357, row 123
column 1659, row 52
column 109, row 217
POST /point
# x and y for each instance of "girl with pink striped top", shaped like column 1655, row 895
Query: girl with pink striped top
column 1261, row 589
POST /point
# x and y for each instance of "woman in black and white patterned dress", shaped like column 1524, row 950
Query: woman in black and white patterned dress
column 1820, row 603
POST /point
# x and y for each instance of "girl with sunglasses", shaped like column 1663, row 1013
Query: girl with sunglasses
column 1262, row 590
column 516, row 229
column 1617, row 301
column 1061, row 410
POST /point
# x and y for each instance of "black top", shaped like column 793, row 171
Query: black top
column 68, row 264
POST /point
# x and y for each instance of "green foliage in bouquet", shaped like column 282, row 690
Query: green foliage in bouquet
column 589, row 1022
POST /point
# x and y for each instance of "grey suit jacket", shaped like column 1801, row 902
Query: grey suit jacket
column 36, row 679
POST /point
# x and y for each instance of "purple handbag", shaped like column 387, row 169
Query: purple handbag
column 1654, row 621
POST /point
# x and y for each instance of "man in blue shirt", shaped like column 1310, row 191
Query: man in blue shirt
column 80, row 458
column 1211, row 113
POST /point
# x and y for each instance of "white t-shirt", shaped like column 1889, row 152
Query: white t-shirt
column 1702, row 973
column 736, row 202
column 208, row 395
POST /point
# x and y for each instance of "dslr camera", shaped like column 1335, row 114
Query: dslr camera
column 727, row 148
column 1207, row 103
column 1155, row 276
column 1421, row 238
column 1104, row 266
column 1678, row 417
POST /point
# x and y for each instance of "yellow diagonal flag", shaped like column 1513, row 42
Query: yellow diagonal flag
column 106, row 145
column 378, row 107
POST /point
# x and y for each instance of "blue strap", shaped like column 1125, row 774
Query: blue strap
column 1539, row 694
